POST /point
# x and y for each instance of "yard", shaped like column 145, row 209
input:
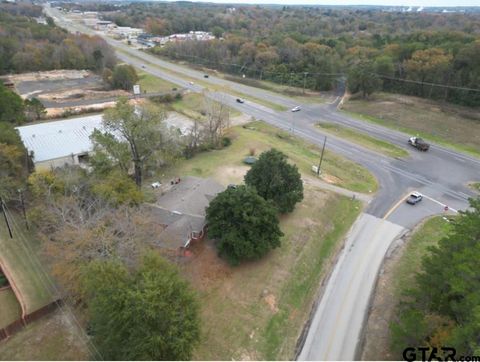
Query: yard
column 450, row 125
column 257, row 310
column 53, row 337
column 226, row 165
column 152, row 84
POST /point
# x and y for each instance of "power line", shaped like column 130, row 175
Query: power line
column 428, row 83
column 48, row 283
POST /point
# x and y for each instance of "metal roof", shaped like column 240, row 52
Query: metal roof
column 53, row 140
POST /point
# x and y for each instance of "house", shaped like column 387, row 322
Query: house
column 181, row 208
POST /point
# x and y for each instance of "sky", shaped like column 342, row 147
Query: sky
column 439, row 3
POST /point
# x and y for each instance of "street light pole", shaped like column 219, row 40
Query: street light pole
column 321, row 156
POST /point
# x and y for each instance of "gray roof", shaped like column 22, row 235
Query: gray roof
column 182, row 209
column 53, row 140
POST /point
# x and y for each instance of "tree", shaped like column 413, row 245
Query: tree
column 244, row 224
column 218, row 120
column 146, row 314
column 11, row 106
column 275, row 179
column 362, row 78
column 14, row 163
column 217, row 32
column 124, row 77
column 34, row 109
column 139, row 128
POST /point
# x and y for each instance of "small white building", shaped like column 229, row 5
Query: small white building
column 57, row 143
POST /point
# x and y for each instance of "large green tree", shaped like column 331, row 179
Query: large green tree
column 244, row 224
column 138, row 129
column 146, row 314
column 362, row 78
column 124, row 76
column 275, row 179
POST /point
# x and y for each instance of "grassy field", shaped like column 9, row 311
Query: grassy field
column 397, row 277
column 10, row 309
column 19, row 257
column 452, row 126
column 475, row 186
column 369, row 142
column 257, row 310
column 152, row 84
column 427, row 235
column 257, row 137
column 54, row 337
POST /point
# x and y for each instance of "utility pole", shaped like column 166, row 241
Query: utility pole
column 2, row 206
column 304, row 81
column 22, row 202
column 321, row 156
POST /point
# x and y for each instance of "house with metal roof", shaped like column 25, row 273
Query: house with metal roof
column 54, row 144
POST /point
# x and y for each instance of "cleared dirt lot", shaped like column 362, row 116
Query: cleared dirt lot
column 444, row 123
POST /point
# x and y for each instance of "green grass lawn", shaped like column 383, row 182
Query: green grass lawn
column 153, row 84
column 54, row 337
column 363, row 139
column 257, row 137
column 19, row 257
column 429, row 234
column 448, row 125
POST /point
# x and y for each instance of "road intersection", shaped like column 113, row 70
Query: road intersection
column 441, row 173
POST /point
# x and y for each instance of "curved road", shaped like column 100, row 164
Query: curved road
column 440, row 174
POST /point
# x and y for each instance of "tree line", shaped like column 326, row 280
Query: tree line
column 441, row 309
column 26, row 45
column 294, row 45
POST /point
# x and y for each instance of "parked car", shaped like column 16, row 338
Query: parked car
column 143, row 66
column 205, row 76
column 414, row 198
column 296, row 109
column 191, row 83
column 240, row 100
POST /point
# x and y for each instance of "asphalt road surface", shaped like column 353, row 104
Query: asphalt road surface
column 441, row 174
column 339, row 318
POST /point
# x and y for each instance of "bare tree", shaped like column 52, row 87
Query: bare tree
column 217, row 120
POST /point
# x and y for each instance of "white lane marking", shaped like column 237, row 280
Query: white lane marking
column 460, row 159
column 440, row 203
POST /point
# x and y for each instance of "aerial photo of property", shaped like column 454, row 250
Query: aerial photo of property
column 254, row 180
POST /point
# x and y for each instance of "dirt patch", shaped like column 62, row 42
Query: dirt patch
column 271, row 302
column 231, row 174
column 77, row 94
column 49, row 75
column 331, row 179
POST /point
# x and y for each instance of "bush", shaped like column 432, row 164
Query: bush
column 226, row 141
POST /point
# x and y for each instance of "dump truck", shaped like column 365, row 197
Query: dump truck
column 419, row 143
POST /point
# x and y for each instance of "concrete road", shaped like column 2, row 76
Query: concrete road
column 441, row 173
column 338, row 320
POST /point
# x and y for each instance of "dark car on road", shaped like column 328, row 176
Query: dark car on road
column 205, row 76
column 240, row 100
column 414, row 198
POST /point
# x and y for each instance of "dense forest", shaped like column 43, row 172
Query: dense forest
column 26, row 45
column 316, row 46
